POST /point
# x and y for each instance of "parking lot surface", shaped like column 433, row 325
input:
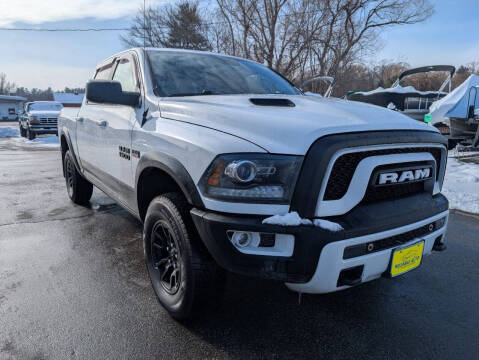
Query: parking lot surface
column 73, row 285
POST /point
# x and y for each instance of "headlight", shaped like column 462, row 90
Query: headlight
column 34, row 119
column 258, row 178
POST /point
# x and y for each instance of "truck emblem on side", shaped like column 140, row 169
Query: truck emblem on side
column 395, row 177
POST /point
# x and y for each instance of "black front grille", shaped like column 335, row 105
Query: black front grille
column 375, row 194
column 392, row 241
column 345, row 166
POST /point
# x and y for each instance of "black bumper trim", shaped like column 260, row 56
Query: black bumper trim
column 309, row 240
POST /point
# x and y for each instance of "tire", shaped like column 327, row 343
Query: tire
column 79, row 189
column 184, row 276
column 30, row 134
column 23, row 133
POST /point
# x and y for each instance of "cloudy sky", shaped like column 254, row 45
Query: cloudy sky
column 42, row 59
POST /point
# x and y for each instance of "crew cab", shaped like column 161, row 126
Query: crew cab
column 39, row 117
column 230, row 167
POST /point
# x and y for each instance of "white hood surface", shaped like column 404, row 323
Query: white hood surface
column 284, row 130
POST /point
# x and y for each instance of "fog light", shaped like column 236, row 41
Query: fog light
column 241, row 239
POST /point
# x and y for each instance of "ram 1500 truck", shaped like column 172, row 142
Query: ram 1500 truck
column 39, row 117
column 231, row 167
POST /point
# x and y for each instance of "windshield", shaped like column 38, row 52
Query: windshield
column 189, row 74
column 48, row 106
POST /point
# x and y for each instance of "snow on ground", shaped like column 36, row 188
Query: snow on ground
column 48, row 141
column 14, row 134
column 293, row 219
column 8, row 131
column 461, row 185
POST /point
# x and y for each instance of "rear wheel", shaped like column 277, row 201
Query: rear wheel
column 79, row 189
column 184, row 276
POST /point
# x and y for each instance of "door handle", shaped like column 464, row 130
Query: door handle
column 102, row 123
column 80, row 119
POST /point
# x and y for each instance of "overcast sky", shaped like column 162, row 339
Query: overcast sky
column 39, row 59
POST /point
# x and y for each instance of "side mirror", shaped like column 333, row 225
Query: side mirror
column 110, row 92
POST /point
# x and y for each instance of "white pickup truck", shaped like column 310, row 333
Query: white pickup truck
column 230, row 167
column 38, row 118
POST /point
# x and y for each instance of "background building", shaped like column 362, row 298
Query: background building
column 69, row 99
column 10, row 106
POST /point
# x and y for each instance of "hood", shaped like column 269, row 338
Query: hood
column 284, row 130
column 45, row 113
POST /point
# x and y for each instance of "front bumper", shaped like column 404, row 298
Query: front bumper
column 318, row 256
column 41, row 130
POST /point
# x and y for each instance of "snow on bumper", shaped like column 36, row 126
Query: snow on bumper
column 331, row 262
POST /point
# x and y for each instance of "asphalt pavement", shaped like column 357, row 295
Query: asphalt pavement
column 73, row 285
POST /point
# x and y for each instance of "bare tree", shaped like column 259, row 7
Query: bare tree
column 5, row 86
column 173, row 26
column 301, row 38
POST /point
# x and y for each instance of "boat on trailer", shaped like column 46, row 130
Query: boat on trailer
column 407, row 100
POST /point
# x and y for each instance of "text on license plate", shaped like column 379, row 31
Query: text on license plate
column 406, row 259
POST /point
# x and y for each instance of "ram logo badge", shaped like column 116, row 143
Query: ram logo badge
column 395, row 177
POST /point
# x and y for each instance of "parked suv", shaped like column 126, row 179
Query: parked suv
column 230, row 167
column 39, row 117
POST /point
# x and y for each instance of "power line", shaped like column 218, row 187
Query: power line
column 64, row 30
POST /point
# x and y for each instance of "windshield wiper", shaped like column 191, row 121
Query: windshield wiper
column 204, row 92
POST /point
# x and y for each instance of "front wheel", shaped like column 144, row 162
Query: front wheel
column 23, row 133
column 183, row 275
column 30, row 134
column 79, row 189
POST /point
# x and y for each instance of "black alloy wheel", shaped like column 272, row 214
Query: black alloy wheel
column 165, row 254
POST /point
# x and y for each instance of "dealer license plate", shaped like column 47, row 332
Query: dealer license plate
column 406, row 259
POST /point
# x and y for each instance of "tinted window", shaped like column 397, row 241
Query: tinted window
column 183, row 74
column 124, row 74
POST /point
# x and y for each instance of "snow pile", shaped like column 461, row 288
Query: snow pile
column 327, row 225
column 289, row 219
column 455, row 103
column 8, row 131
column 461, row 185
column 293, row 219
column 400, row 90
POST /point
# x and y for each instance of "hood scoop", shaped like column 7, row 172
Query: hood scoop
column 272, row 102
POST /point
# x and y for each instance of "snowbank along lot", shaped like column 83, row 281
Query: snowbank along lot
column 14, row 135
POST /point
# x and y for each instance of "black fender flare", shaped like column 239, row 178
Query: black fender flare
column 64, row 132
column 175, row 170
